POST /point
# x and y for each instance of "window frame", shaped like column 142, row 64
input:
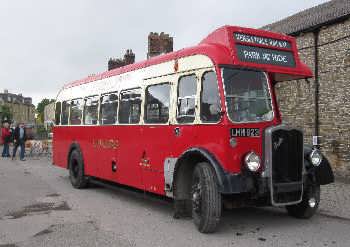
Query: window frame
column 194, row 96
column 59, row 115
column 144, row 103
column 68, row 115
column 200, row 97
column 82, row 112
column 100, row 108
column 140, row 122
column 268, row 81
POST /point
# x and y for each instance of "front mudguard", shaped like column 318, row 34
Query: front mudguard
column 322, row 174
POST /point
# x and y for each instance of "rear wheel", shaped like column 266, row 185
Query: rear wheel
column 309, row 204
column 76, row 170
column 206, row 200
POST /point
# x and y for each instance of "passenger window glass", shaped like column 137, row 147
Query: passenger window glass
column 76, row 111
column 91, row 111
column 130, row 107
column 57, row 113
column 65, row 113
column 157, row 103
column 109, row 106
column 187, row 89
column 210, row 99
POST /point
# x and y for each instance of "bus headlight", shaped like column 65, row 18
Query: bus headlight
column 252, row 161
column 316, row 157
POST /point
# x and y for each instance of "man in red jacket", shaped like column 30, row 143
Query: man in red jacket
column 6, row 139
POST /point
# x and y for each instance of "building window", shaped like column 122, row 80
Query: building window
column 186, row 100
column 210, row 98
column 91, row 110
column 109, row 106
column 76, row 110
column 157, row 103
column 130, row 106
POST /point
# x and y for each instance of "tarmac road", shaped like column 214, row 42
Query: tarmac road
column 39, row 207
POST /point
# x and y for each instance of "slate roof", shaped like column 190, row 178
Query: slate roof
column 311, row 18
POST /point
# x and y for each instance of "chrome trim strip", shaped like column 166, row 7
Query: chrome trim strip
column 169, row 167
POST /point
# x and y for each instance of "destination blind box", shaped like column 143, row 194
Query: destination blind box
column 272, row 51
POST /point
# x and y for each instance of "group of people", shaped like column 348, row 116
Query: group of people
column 17, row 136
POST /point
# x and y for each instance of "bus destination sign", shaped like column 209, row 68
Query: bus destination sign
column 247, row 52
column 253, row 54
column 246, row 38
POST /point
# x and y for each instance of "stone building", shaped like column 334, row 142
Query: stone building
column 129, row 58
column 21, row 108
column 159, row 44
column 321, row 105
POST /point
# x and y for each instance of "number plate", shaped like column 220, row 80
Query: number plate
column 245, row 132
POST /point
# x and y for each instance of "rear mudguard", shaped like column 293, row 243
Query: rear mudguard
column 323, row 174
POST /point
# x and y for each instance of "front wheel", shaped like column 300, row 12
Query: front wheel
column 309, row 204
column 206, row 199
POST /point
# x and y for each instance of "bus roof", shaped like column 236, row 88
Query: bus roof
column 232, row 45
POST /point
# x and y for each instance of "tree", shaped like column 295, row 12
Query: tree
column 5, row 113
column 41, row 107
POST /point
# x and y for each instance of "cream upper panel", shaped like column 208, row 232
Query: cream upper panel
column 134, row 78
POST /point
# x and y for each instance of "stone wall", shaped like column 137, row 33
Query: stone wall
column 296, row 98
column 159, row 44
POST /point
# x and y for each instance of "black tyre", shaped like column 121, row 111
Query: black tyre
column 76, row 170
column 309, row 204
column 206, row 199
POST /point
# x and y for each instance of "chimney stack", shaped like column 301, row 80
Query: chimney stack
column 129, row 58
column 159, row 44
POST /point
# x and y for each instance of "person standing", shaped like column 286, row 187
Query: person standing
column 6, row 139
column 19, row 141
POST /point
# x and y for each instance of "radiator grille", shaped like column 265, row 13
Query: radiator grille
column 287, row 165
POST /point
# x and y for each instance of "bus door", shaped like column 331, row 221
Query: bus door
column 157, row 132
column 130, row 138
column 185, row 113
column 106, row 140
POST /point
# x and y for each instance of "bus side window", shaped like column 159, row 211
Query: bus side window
column 187, row 90
column 157, row 103
column 76, row 111
column 57, row 113
column 65, row 113
column 130, row 107
column 91, row 110
column 109, row 106
column 210, row 98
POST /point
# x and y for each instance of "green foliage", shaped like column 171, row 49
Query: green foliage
column 40, row 108
column 5, row 113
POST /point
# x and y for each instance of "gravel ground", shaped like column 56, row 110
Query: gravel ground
column 38, row 207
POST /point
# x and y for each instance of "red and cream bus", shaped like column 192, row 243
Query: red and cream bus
column 200, row 125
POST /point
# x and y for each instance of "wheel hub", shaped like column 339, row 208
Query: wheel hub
column 196, row 198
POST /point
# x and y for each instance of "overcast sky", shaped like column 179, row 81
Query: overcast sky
column 45, row 44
